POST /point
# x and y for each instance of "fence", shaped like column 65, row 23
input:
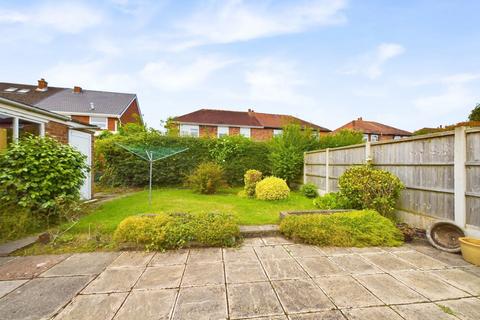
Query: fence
column 441, row 173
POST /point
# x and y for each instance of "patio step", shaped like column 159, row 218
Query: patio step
column 259, row 231
column 12, row 246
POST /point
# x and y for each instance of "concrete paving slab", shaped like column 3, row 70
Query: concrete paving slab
column 169, row 258
column 28, row 267
column 422, row 311
column 298, row 296
column 388, row 289
column 201, row 303
column 12, row 246
column 252, row 300
column 465, row 309
column 253, row 242
column 272, row 318
column 132, row 260
column 429, row 285
column 4, row 260
column 387, row 262
column 93, row 306
column 148, row 305
column 451, row 259
column 203, row 274
column 373, row 313
column 471, row 269
column 320, row 266
column 355, row 264
column 283, row 269
column 333, row 251
column 92, row 263
column 420, row 260
column 163, row 277
column 205, row 255
column 324, row 315
column 8, row 286
column 404, row 248
column 272, row 252
column 301, row 250
column 460, row 279
column 242, row 272
column 41, row 298
column 367, row 250
column 239, row 254
column 271, row 241
column 114, row 280
column 346, row 292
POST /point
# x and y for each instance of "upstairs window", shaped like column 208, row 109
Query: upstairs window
column 222, row 131
column 365, row 137
column 245, row 132
column 374, row 137
column 188, row 130
column 100, row 122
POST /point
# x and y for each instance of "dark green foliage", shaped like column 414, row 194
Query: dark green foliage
column 41, row 175
column 309, row 190
column 206, row 178
column 349, row 229
column 171, row 231
column 251, row 178
column 332, row 200
column 368, row 188
column 341, row 138
column 475, row 114
column 118, row 167
column 286, row 152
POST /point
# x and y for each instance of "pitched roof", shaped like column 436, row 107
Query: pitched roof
column 373, row 127
column 243, row 118
column 64, row 100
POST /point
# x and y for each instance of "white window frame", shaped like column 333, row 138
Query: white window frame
column 365, row 137
column 246, row 132
column 189, row 130
column 222, row 131
column 277, row 132
column 96, row 123
column 397, row 137
column 374, row 137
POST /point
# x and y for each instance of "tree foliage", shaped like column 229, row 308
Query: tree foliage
column 341, row 138
column 475, row 114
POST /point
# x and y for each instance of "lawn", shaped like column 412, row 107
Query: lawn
column 248, row 211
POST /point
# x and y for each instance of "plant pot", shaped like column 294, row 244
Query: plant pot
column 470, row 250
column 444, row 235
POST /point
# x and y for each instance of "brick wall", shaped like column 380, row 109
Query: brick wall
column 261, row 134
column 57, row 130
column 132, row 114
column 83, row 119
column 234, row 131
column 208, row 131
column 111, row 124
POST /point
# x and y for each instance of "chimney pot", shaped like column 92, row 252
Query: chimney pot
column 77, row 89
column 359, row 119
column 42, row 85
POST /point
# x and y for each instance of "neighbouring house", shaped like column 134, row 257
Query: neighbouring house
column 106, row 110
column 19, row 118
column 255, row 125
column 374, row 131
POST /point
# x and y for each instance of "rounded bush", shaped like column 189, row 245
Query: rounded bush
column 207, row 178
column 309, row 190
column 251, row 178
column 272, row 188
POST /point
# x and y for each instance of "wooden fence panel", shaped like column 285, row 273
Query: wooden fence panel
column 473, row 178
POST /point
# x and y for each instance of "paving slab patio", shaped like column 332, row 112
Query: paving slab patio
column 264, row 279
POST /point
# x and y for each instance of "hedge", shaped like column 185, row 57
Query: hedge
column 117, row 167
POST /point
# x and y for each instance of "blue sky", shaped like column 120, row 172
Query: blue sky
column 409, row 64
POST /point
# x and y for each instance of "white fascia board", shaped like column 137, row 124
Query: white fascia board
column 89, row 114
column 24, row 110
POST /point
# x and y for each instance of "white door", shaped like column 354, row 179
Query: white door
column 83, row 142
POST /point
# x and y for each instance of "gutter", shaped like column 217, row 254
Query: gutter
column 34, row 109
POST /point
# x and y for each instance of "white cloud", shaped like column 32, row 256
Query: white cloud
column 371, row 64
column 65, row 17
column 236, row 20
column 178, row 76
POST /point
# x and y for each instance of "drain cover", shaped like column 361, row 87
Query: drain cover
column 444, row 235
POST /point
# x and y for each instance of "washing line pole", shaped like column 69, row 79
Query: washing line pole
column 150, row 160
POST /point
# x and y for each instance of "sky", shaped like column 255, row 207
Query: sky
column 409, row 63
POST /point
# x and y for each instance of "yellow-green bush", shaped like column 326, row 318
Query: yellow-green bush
column 176, row 230
column 345, row 229
column 206, row 178
column 272, row 188
column 251, row 178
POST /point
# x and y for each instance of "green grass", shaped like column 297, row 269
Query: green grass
column 248, row 211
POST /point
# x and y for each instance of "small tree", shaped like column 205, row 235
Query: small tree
column 475, row 114
column 287, row 151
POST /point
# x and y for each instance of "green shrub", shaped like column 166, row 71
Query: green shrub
column 206, row 179
column 171, row 231
column 41, row 175
column 272, row 188
column 369, row 188
column 332, row 200
column 345, row 137
column 349, row 229
column 309, row 190
column 251, row 178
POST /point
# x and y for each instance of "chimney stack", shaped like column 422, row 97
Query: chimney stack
column 77, row 89
column 360, row 119
column 250, row 110
column 42, row 85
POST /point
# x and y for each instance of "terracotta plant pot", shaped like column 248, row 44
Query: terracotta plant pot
column 470, row 250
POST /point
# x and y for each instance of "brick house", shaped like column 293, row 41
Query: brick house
column 106, row 110
column 374, row 131
column 18, row 119
column 251, row 124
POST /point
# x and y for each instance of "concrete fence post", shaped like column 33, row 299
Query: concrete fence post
column 304, row 168
column 368, row 152
column 460, row 176
column 327, row 170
